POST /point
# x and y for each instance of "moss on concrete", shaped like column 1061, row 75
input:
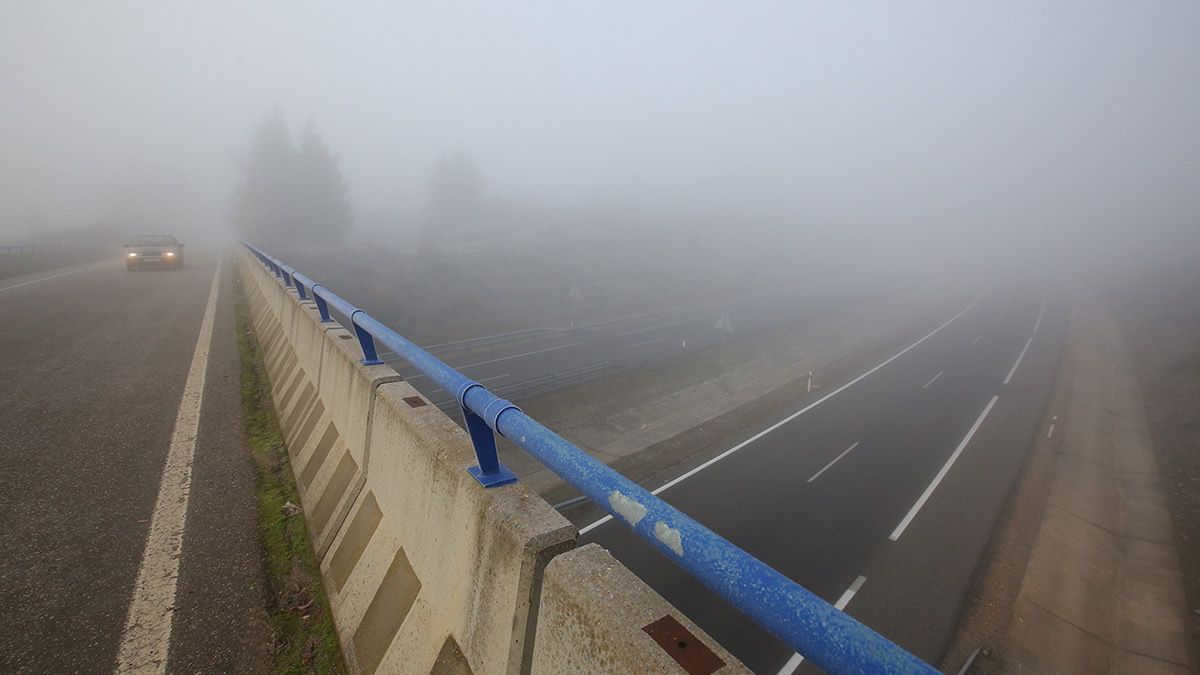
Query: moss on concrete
column 301, row 624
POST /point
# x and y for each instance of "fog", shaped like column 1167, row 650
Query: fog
column 936, row 132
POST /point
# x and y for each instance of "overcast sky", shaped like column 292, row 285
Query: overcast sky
column 929, row 118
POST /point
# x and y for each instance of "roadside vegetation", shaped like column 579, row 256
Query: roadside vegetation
column 301, row 624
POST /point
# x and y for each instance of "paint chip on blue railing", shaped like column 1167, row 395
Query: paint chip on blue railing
column 669, row 536
column 627, row 508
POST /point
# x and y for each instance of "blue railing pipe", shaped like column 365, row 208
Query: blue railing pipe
column 325, row 299
column 828, row 637
column 825, row 635
column 473, row 400
column 288, row 271
column 794, row 615
column 322, row 306
column 334, row 301
column 302, row 284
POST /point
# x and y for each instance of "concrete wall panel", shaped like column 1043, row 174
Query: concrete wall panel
column 454, row 534
column 598, row 617
column 425, row 569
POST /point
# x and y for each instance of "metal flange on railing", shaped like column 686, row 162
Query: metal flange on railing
column 822, row 633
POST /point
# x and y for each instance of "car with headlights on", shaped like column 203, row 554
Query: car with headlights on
column 153, row 250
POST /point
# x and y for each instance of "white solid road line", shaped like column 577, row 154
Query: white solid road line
column 481, row 381
column 835, row 461
column 796, row 414
column 1041, row 311
column 664, row 325
column 975, row 340
column 847, row 595
column 89, row 268
column 935, row 377
column 146, row 639
column 912, row 513
column 1020, row 356
column 646, row 342
column 517, row 356
column 502, row 358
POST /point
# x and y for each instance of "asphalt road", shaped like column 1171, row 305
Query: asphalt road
column 822, row 497
column 93, row 362
column 518, row 367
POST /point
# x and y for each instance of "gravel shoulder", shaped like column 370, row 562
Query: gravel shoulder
column 1083, row 574
column 1159, row 314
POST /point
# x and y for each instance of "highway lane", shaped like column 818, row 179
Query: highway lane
column 640, row 342
column 820, row 496
column 94, row 362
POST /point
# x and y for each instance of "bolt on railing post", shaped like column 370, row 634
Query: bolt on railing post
column 370, row 356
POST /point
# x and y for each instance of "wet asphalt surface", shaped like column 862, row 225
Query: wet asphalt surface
column 826, row 533
column 92, row 366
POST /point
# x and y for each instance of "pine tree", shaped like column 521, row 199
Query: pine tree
column 260, row 207
column 324, row 214
column 290, row 194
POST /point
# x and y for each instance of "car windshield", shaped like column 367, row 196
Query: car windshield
column 153, row 240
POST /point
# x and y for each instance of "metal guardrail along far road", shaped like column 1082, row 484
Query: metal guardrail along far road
column 31, row 248
column 550, row 381
column 825, row 635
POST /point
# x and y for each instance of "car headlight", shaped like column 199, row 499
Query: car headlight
column 132, row 254
column 170, row 254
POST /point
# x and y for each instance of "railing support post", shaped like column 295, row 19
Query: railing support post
column 370, row 356
column 490, row 472
column 322, row 306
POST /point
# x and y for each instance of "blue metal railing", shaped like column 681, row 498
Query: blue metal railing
column 825, row 635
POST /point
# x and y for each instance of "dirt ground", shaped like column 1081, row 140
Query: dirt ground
column 1159, row 313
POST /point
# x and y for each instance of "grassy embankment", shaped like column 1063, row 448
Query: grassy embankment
column 301, row 623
